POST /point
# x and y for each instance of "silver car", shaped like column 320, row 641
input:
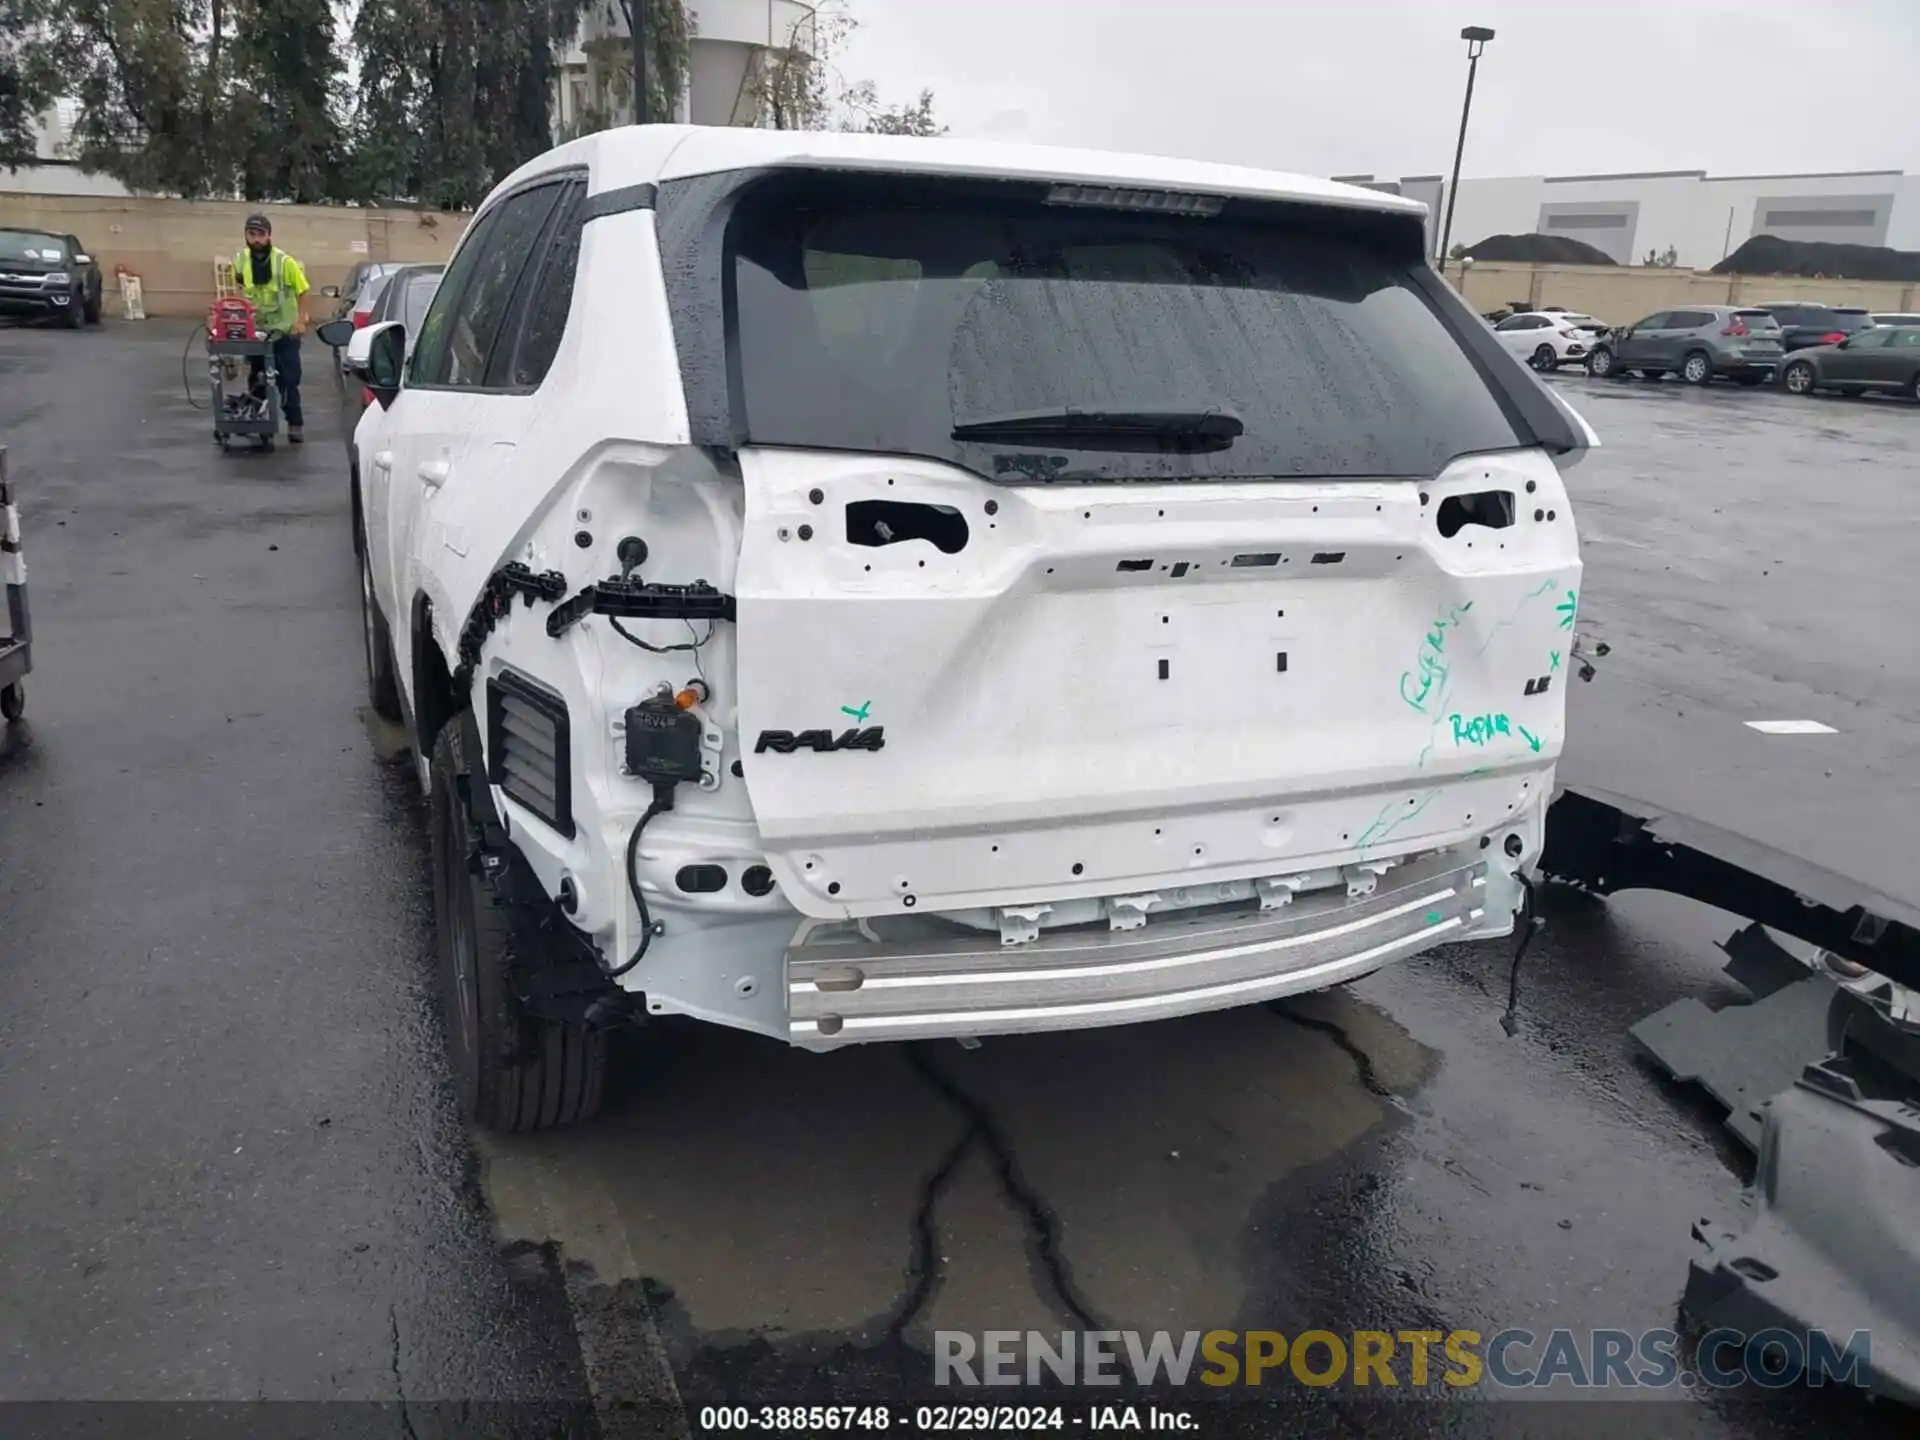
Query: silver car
column 1696, row 343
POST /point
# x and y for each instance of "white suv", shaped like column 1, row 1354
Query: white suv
column 869, row 588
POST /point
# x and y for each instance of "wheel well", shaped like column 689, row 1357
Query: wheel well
column 432, row 679
column 353, row 490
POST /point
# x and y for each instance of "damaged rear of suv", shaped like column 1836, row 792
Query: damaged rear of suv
column 857, row 588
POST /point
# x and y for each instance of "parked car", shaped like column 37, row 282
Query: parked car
column 1546, row 340
column 1697, row 343
column 404, row 293
column 1884, row 358
column 1895, row 319
column 44, row 273
column 676, row 556
column 356, row 296
column 1803, row 325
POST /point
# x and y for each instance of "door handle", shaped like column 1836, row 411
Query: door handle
column 433, row 473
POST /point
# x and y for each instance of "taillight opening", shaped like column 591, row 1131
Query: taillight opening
column 1735, row 326
column 361, row 319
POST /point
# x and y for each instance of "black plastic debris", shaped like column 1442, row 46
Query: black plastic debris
column 1833, row 1250
column 1745, row 1054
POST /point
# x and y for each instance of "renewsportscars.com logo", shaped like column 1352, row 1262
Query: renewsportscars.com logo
column 1508, row 1359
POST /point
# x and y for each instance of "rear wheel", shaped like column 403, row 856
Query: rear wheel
column 511, row 1071
column 1798, row 378
column 1600, row 363
column 1697, row 368
column 1544, row 359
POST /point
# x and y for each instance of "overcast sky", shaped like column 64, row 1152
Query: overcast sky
column 1336, row 87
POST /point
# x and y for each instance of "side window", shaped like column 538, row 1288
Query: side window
column 487, row 299
column 1687, row 320
column 1652, row 322
column 550, row 298
column 429, row 363
column 1870, row 339
column 1512, row 322
column 1906, row 339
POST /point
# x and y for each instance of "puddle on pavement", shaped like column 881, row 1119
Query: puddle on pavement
column 879, row 1192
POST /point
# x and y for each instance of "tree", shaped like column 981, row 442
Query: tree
column 26, row 86
column 287, row 99
column 453, row 94
column 799, row 87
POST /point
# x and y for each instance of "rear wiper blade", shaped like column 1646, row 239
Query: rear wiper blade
column 1207, row 427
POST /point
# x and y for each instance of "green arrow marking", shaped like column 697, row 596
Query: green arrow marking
column 1531, row 739
column 860, row 715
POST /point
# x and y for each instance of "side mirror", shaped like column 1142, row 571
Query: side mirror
column 332, row 292
column 377, row 356
column 335, row 334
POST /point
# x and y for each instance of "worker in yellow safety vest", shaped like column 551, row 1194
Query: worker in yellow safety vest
column 276, row 286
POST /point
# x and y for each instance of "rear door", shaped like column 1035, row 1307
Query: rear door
column 1084, row 546
column 435, row 512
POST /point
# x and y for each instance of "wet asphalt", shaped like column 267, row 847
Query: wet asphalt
column 229, row 1163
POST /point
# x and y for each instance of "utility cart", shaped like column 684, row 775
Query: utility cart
column 233, row 342
column 16, row 630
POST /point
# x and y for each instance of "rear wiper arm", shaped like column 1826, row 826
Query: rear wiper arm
column 1209, row 428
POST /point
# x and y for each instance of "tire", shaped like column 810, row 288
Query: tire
column 75, row 315
column 1600, row 363
column 1798, row 378
column 13, row 701
column 92, row 309
column 1697, row 368
column 383, row 688
column 1913, row 387
column 510, row 1071
column 1544, row 359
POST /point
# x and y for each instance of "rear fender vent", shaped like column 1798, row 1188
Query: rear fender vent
column 530, row 748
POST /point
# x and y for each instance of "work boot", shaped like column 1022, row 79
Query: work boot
column 295, row 435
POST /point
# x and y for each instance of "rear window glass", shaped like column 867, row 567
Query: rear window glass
column 885, row 316
column 1758, row 319
column 1852, row 320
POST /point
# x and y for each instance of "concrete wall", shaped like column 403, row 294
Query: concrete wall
column 1623, row 295
column 172, row 244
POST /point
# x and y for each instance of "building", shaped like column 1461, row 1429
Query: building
column 1701, row 218
column 732, row 46
column 55, row 174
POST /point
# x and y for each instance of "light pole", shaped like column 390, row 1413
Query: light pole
column 637, row 27
column 1476, row 37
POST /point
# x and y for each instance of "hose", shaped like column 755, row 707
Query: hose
column 1529, row 923
column 662, row 801
column 199, row 332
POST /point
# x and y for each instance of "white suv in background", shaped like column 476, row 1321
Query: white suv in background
column 864, row 588
column 1548, row 339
